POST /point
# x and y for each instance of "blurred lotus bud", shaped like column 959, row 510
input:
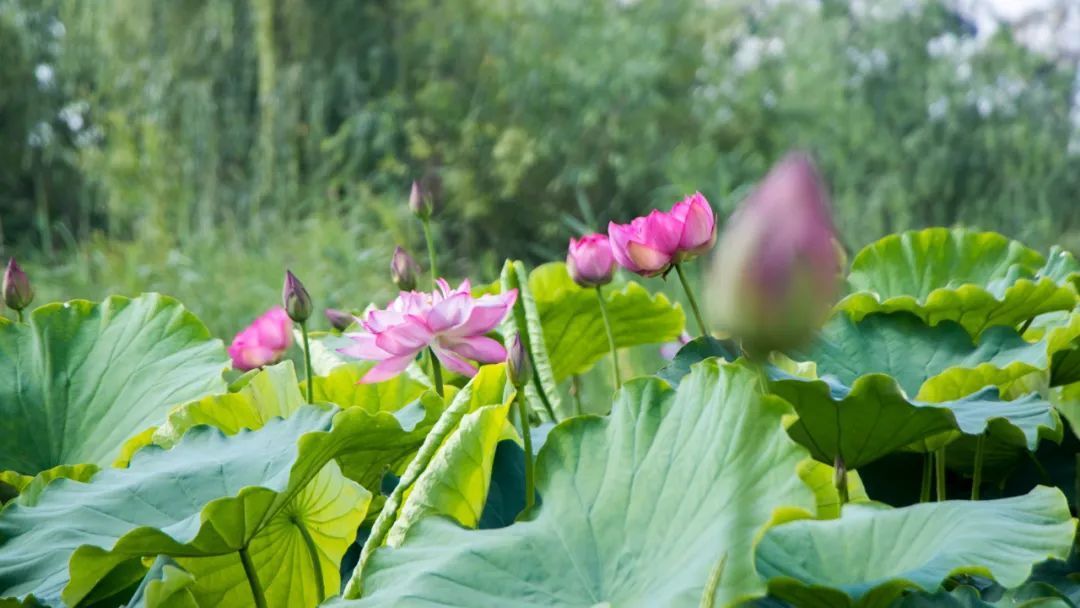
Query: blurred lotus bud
column 420, row 202
column 776, row 272
column 295, row 298
column 17, row 291
column 264, row 342
column 339, row 319
column 403, row 269
column 518, row 365
column 589, row 260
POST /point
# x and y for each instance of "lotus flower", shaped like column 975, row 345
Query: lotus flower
column 778, row 267
column 17, row 291
column 589, row 260
column 449, row 321
column 264, row 342
column 650, row 245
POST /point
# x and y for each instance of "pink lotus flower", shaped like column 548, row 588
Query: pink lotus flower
column 589, row 260
column 778, row 264
column 450, row 321
column 264, row 342
column 650, row 245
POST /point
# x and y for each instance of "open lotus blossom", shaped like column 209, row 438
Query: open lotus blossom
column 649, row 245
column 777, row 267
column 450, row 321
column 264, row 342
column 589, row 260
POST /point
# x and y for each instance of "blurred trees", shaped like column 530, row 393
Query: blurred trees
column 534, row 118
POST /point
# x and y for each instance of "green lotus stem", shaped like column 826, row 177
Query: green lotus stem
column 610, row 338
column 575, row 392
column 430, row 250
column 927, row 475
column 253, row 578
column 447, row 422
column 436, row 371
column 762, row 376
column 976, row 477
column 526, row 438
column 840, row 479
column 18, row 316
column 690, row 298
column 543, row 396
column 307, row 364
column 313, row 553
column 1025, row 326
column 939, row 463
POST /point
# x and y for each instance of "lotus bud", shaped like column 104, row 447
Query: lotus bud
column 420, row 202
column 295, row 298
column 403, row 269
column 17, row 291
column 776, row 272
column 339, row 319
column 518, row 365
column 589, row 260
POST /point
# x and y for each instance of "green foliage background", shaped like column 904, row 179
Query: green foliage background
column 200, row 146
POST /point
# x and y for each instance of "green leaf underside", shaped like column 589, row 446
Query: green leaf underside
column 234, row 485
column 903, row 347
column 978, row 279
column 638, row 509
column 574, row 327
column 872, row 553
column 524, row 320
column 80, row 378
column 874, row 418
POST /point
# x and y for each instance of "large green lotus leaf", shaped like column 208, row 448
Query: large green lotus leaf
column 1028, row 596
column 902, row 346
column 524, row 320
column 872, row 554
column 648, row 507
column 978, row 279
column 270, row 393
column 79, row 377
column 574, row 326
column 455, row 481
column 342, row 387
column 206, row 498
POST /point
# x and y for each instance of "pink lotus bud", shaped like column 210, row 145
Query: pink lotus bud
column 17, row 291
column 295, row 298
column 698, row 226
column 264, row 342
column 518, row 365
column 589, row 260
column 420, row 202
column 339, row 319
column 776, row 271
column 650, row 245
column 403, row 269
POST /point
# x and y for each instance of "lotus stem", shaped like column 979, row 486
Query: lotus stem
column 610, row 338
column 436, row 372
column 976, row 477
column 939, row 462
column 430, row 251
column 927, row 476
column 18, row 316
column 307, row 364
column 526, row 438
column 543, row 396
column 840, row 479
column 690, row 298
column 253, row 579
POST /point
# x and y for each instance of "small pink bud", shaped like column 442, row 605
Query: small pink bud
column 339, row 319
column 17, row 291
column 403, row 269
column 518, row 365
column 295, row 298
column 420, row 202
column 589, row 260
column 776, row 271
